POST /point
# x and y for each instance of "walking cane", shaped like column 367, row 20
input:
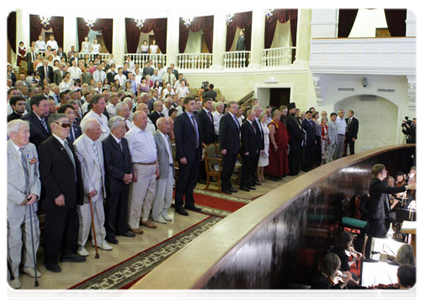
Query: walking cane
column 33, row 247
column 92, row 221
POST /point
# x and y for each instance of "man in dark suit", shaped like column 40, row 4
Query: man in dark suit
column 250, row 151
column 58, row 74
column 75, row 129
column 413, row 132
column 157, row 112
column 45, row 71
column 188, row 141
column 61, row 54
column 111, row 75
column 240, row 44
column 148, row 69
column 174, row 71
column 308, row 126
column 38, row 119
column 119, row 174
column 260, row 141
column 60, row 173
column 205, row 120
column 30, row 57
column 211, row 93
column 351, row 132
column 297, row 136
column 229, row 141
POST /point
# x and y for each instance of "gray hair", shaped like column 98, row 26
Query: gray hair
column 54, row 117
column 143, row 94
column 119, row 106
column 87, row 125
column 160, row 121
column 16, row 125
column 217, row 104
column 115, row 121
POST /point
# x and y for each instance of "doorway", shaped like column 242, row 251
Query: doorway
column 279, row 96
column 276, row 95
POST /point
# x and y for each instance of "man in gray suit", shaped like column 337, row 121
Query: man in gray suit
column 164, row 184
column 333, row 135
column 89, row 151
column 23, row 191
column 240, row 44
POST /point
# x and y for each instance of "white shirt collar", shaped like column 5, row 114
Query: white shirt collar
column 62, row 141
column 116, row 139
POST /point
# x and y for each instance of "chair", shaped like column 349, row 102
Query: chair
column 351, row 219
column 213, row 163
column 175, row 161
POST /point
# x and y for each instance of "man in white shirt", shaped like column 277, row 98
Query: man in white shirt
column 111, row 107
column 217, row 114
column 98, row 105
column 168, row 104
column 342, row 125
column 182, row 90
column 144, row 108
column 52, row 43
column 40, row 45
column 144, row 159
column 169, row 77
column 99, row 75
column 122, row 110
column 121, row 77
column 137, row 76
column 156, row 76
column 168, row 90
column 75, row 72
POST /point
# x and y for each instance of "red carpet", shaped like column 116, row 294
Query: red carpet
column 217, row 203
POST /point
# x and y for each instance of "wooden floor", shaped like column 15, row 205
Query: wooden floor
column 74, row 273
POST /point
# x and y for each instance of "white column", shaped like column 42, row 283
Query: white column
column 22, row 28
column 172, row 39
column 257, row 38
column 410, row 23
column 303, row 37
column 324, row 23
column 219, row 40
column 70, row 32
column 119, row 38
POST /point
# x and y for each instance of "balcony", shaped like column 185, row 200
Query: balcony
column 142, row 59
column 378, row 56
column 276, row 57
column 195, row 61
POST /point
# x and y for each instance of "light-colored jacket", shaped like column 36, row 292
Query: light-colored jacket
column 16, row 179
column 92, row 172
column 332, row 132
column 163, row 156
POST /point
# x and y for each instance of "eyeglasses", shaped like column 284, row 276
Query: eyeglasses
column 64, row 125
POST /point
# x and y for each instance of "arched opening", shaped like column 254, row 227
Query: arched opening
column 378, row 120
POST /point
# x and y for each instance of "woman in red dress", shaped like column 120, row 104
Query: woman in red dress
column 278, row 148
column 21, row 53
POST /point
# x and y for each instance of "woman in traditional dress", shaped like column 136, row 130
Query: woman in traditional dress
column 278, row 148
column 21, row 53
column 264, row 156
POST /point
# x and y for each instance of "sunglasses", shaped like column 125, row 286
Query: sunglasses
column 64, row 125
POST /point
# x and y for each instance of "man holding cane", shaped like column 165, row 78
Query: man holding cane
column 23, row 190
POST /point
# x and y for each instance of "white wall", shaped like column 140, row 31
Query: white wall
column 367, row 21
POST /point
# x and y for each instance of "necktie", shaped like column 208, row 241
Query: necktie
column 25, row 168
column 71, row 135
column 252, row 125
column 97, row 157
column 210, row 117
column 120, row 144
column 46, row 72
column 196, row 132
column 44, row 125
column 236, row 122
column 68, row 150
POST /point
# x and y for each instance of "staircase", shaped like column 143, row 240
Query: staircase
column 246, row 99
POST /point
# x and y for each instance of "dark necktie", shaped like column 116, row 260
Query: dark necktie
column 25, row 168
column 197, row 142
column 210, row 117
column 236, row 122
column 45, row 125
column 72, row 135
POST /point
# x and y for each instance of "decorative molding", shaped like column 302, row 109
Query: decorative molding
column 411, row 92
column 317, row 88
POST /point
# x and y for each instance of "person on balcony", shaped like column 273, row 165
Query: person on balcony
column 86, row 46
column 240, row 44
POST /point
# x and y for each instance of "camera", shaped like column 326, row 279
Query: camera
column 406, row 121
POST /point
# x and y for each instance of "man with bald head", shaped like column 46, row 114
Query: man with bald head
column 146, row 169
column 89, row 151
column 144, row 108
column 164, row 185
column 157, row 112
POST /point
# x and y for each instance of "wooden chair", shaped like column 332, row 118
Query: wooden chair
column 175, row 162
column 213, row 163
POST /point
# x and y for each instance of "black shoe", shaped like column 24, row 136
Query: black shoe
column 257, row 183
column 128, row 234
column 245, row 189
column 181, row 211
column 202, row 181
column 227, row 192
column 233, row 190
column 53, row 268
column 194, row 208
column 72, row 258
column 251, row 188
column 271, row 177
column 112, row 241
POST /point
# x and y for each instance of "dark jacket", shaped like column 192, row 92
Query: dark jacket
column 37, row 130
column 229, row 134
column 117, row 163
column 206, row 126
column 57, row 174
column 310, row 130
column 154, row 116
column 185, row 138
column 249, row 140
column 352, row 128
column 295, row 132
column 378, row 204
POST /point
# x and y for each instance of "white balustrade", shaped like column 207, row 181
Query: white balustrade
column 236, row 59
column 92, row 56
column 195, row 61
column 142, row 59
column 276, row 57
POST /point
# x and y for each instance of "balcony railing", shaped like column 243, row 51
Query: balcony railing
column 236, row 59
column 142, row 59
column 92, row 56
column 195, row 61
column 276, row 57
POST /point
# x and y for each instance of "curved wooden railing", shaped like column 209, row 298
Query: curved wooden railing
column 247, row 98
column 276, row 240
